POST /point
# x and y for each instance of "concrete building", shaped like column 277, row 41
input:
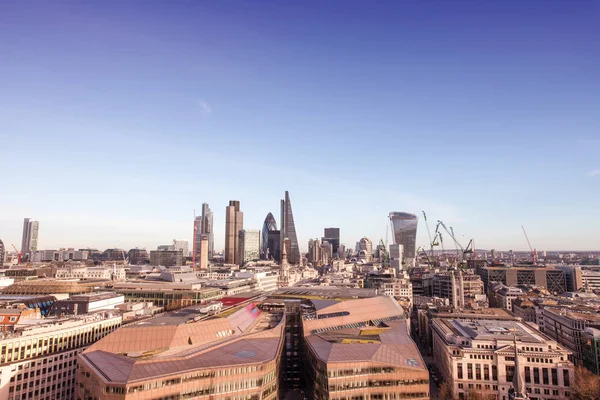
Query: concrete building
column 502, row 296
column 181, row 245
column 404, row 232
column 87, row 303
column 443, row 284
column 58, row 255
column 40, row 361
column 170, row 295
column 2, row 253
column 314, row 251
column 166, row 258
column 234, row 223
column 591, row 350
column 179, row 355
column 326, row 253
column 288, row 230
column 204, row 251
column 207, row 228
column 365, row 249
column 567, row 327
column 497, row 357
column 248, row 245
column 29, row 241
column 550, row 278
column 332, row 235
column 138, row 256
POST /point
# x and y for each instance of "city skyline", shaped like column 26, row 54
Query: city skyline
column 435, row 107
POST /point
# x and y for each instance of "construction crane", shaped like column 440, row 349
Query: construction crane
column 465, row 250
column 431, row 242
column 533, row 251
column 18, row 254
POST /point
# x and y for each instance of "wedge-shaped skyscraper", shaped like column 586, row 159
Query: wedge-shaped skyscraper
column 288, row 230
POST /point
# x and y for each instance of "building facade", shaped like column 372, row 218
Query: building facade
column 270, row 225
column 234, row 223
column 207, row 228
column 552, row 279
column 478, row 356
column 29, row 242
column 288, row 230
column 41, row 362
column 404, row 231
column 332, row 235
column 249, row 245
column 166, row 258
column 183, row 246
column 2, row 253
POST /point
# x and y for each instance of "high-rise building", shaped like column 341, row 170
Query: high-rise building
column 274, row 245
column 288, row 230
column 234, row 223
column 404, row 230
column 204, row 245
column 29, row 242
column 332, row 235
column 249, row 245
column 365, row 249
column 2, row 253
column 207, row 228
column 268, row 226
column 314, row 251
column 182, row 245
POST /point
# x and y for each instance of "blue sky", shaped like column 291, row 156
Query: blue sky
column 117, row 119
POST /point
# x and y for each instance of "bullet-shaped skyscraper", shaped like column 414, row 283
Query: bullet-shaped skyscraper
column 234, row 223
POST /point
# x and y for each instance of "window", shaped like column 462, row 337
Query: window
column 566, row 377
column 554, row 377
column 536, row 376
column 460, row 370
column 527, row 375
column 545, row 377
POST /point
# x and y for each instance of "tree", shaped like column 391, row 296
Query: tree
column 586, row 385
column 446, row 391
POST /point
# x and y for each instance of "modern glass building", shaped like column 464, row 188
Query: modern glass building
column 404, row 230
column 288, row 230
column 269, row 225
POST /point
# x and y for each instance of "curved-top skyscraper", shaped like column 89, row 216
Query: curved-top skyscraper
column 269, row 225
column 404, row 229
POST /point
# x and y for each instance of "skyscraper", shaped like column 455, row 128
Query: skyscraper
column 404, row 230
column 248, row 245
column 207, row 228
column 288, row 231
column 234, row 222
column 203, row 251
column 29, row 242
column 269, row 225
column 332, row 235
column 2, row 252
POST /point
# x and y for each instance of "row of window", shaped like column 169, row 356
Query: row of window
column 362, row 384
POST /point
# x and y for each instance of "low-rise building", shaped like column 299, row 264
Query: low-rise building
column 591, row 349
column 87, row 303
column 166, row 294
column 481, row 356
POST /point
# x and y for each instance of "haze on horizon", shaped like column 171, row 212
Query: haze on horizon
column 118, row 120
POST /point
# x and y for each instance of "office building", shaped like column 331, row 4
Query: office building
column 269, row 225
column 404, row 232
column 204, row 252
column 288, row 230
column 332, row 235
column 183, row 246
column 86, row 303
column 138, row 256
column 170, row 295
column 274, row 245
column 182, row 356
column 207, row 228
column 396, row 257
column 552, row 279
column 2, row 253
column 234, row 223
column 500, row 358
column 314, row 251
column 40, row 361
column 166, row 258
column 29, row 241
column 249, row 245
column 591, row 349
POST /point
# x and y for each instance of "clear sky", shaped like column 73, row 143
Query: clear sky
column 118, row 119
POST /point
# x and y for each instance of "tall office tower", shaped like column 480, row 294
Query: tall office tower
column 196, row 239
column 30, row 237
column 288, row 230
column 268, row 226
column 2, row 252
column 365, row 249
column 207, row 228
column 404, row 231
column 314, row 251
column 181, row 245
column 332, row 235
column 274, row 246
column 396, row 256
column 326, row 252
column 234, row 222
column 249, row 245
column 204, row 250
column 341, row 252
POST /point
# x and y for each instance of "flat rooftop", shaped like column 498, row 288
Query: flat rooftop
column 328, row 292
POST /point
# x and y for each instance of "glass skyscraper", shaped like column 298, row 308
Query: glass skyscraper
column 404, row 230
column 269, row 225
column 288, row 230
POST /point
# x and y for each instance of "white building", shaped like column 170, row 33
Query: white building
column 40, row 361
column 183, row 246
column 249, row 245
column 479, row 356
column 265, row 281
